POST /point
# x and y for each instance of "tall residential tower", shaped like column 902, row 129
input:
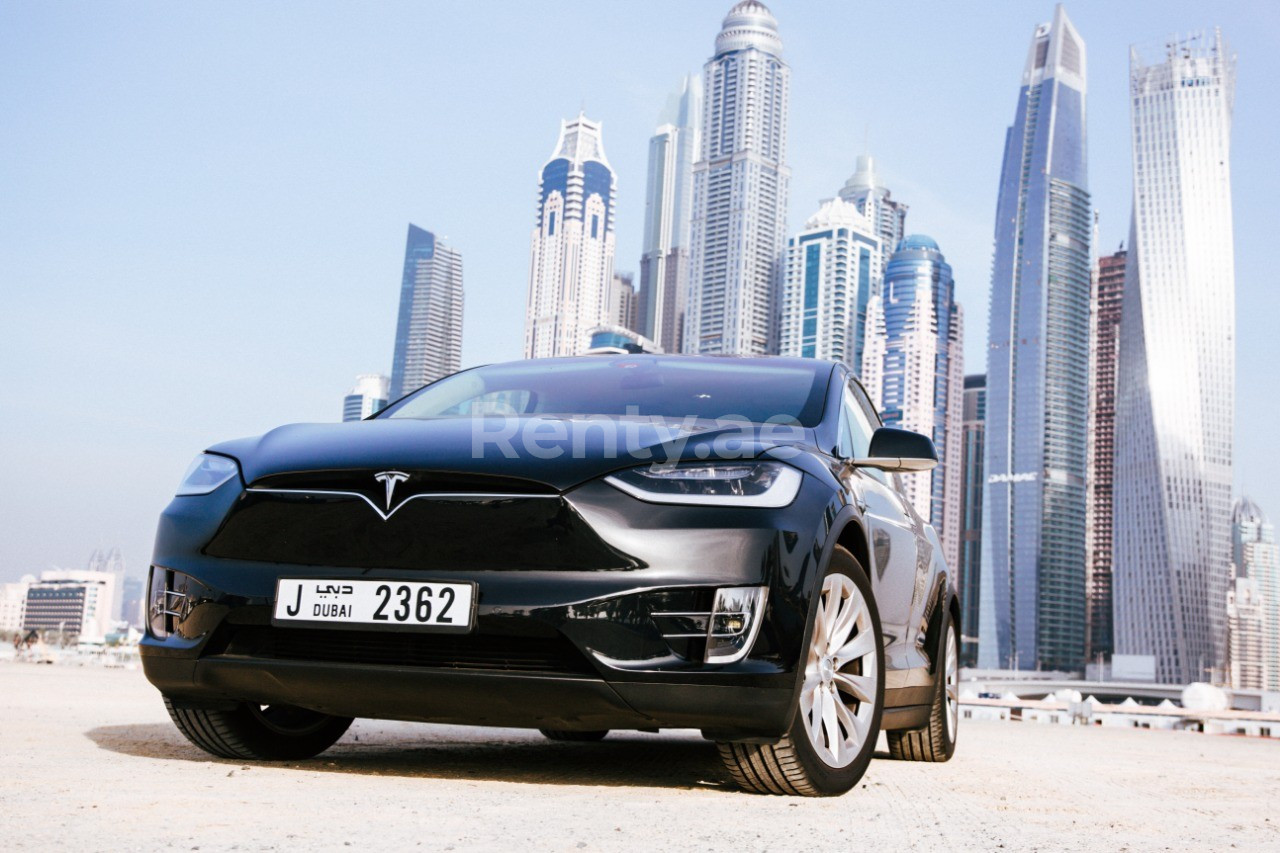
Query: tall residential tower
column 913, row 369
column 1175, row 410
column 571, row 256
column 1253, row 601
column 972, row 430
column 740, row 190
column 668, row 212
column 1104, row 351
column 833, row 266
column 1033, row 546
column 429, row 328
column 874, row 201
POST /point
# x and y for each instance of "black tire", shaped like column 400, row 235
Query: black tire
column 937, row 741
column 793, row 766
column 578, row 737
column 254, row 733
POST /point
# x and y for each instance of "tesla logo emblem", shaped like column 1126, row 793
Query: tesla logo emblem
column 390, row 479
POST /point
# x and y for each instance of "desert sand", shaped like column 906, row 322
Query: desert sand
column 89, row 760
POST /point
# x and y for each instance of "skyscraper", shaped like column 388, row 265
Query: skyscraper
column 1255, row 560
column 1037, row 369
column 972, row 430
column 1246, row 664
column 874, row 201
column 571, row 258
column 429, row 326
column 623, row 301
column 1104, row 349
column 740, row 190
column 668, row 212
column 832, row 267
column 367, row 396
column 1176, row 402
column 913, row 369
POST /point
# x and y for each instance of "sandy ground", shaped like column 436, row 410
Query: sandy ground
column 89, row 760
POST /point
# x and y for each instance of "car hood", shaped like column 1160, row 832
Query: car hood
column 560, row 452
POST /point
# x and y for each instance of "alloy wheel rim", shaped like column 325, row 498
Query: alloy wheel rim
column 838, row 697
column 952, row 684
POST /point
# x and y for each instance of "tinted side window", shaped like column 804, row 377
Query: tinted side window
column 860, row 426
column 862, row 421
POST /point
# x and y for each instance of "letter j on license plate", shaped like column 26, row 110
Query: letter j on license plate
column 386, row 604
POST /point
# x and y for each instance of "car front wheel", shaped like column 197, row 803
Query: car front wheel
column 840, row 702
column 258, row 732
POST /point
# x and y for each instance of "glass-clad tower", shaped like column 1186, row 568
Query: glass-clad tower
column 913, row 369
column 740, row 190
column 429, row 327
column 1176, row 405
column 668, row 212
column 1033, row 544
column 571, row 252
column 832, row 268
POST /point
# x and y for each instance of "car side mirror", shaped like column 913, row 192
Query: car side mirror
column 899, row 450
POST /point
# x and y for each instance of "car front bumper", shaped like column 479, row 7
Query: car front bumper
column 573, row 649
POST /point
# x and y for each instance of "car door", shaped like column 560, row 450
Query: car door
column 892, row 528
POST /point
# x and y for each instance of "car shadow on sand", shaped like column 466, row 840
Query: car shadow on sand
column 679, row 760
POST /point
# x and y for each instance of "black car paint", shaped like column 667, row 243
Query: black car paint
column 611, row 571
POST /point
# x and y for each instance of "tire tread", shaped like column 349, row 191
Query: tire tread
column 222, row 734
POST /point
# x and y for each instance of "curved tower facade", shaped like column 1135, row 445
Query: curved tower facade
column 1176, row 403
column 1033, row 543
column 571, row 256
column 740, row 190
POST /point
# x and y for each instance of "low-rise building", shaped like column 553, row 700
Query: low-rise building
column 71, row 602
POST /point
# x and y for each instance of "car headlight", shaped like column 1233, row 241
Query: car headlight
column 748, row 483
column 206, row 473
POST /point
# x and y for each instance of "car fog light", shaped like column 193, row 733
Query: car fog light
column 159, row 620
column 735, row 621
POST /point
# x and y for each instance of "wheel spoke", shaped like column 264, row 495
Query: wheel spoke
column 815, row 718
column 851, row 609
column 862, row 687
column 860, row 646
column 853, row 724
column 830, row 723
column 831, row 610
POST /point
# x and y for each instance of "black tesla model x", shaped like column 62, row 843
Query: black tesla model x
column 574, row 545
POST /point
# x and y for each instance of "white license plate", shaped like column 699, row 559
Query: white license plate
column 391, row 604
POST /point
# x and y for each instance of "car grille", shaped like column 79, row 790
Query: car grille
column 480, row 534
column 499, row 653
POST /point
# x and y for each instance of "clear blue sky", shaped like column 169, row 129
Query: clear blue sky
column 203, row 205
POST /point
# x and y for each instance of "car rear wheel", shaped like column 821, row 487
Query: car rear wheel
column 936, row 741
column 259, row 732
column 837, row 719
column 581, row 737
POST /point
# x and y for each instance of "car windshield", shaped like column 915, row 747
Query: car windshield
column 645, row 386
